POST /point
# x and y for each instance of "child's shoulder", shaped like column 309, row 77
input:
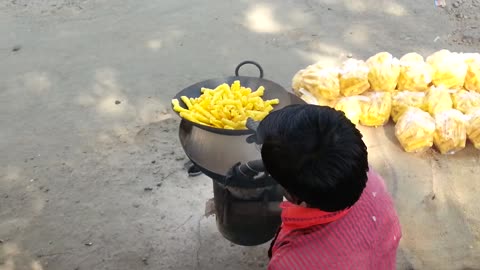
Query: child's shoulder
column 375, row 180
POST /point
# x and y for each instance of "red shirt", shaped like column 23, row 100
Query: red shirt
column 366, row 236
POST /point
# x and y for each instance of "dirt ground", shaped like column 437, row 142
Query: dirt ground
column 91, row 171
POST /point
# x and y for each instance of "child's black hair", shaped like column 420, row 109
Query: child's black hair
column 316, row 154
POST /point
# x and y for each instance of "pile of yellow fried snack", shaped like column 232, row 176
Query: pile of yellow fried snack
column 225, row 107
column 433, row 101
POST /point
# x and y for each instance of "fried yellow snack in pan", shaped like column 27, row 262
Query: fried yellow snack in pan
column 226, row 107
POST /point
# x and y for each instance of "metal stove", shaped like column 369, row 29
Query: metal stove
column 247, row 212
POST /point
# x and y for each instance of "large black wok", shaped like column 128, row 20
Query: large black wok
column 272, row 91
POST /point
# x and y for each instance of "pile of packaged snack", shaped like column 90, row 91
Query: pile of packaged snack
column 433, row 101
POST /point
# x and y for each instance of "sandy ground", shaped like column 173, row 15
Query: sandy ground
column 91, row 171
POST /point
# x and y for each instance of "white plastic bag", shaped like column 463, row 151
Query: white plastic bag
column 415, row 73
column 384, row 72
column 414, row 130
column 352, row 107
column 438, row 99
column 450, row 131
column 473, row 127
column 449, row 69
column 376, row 112
column 354, row 78
column 402, row 100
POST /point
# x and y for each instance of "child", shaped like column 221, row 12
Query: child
column 339, row 214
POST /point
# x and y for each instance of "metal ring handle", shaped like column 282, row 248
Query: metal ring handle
column 252, row 63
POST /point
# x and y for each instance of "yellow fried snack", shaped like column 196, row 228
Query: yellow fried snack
column 464, row 101
column 438, row 99
column 376, row 112
column 415, row 74
column 402, row 100
column 473, row 127
column 414, row 130
column 226, row 107
column 450, row 132
column 472, row 79
column 352, row 107
column 449, row 69
column 384, row 72
column 354, row 78
column 322, row 83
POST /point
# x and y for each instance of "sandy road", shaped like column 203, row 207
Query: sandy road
column 84, row 92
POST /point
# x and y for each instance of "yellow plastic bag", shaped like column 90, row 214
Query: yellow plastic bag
column 352, row 107
column 376, row 112
column 473, row 127
column 354, row 78
column 464, row 101
column 472, row 80
column 414, row 130
column 415, row 74
column 402, row 100
column 438, row 99
column 450, row 132
column 449, row 69
column 384, row 72
column 322, row 83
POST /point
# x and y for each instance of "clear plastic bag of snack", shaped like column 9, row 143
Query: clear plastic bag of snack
column 438, row 99
column 297, row 82
column 376, row 112
column 472, row 79
column 464, row 100
column 470, row 57
column 354, row 78
column 322, row 83
column 402, row 100
column 414, row 130
column 384, row 72
column 325, row 102
column 450, row 132
column 311, row 99
column 473, row 127
column 449, row 69
column 415, row 73
column 352, row 107
column 307, row 96
column 298, row 78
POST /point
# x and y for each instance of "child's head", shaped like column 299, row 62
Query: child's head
column 316, row 154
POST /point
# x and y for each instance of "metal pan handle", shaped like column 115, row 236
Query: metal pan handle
column 252, row 168
column 251, row 63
